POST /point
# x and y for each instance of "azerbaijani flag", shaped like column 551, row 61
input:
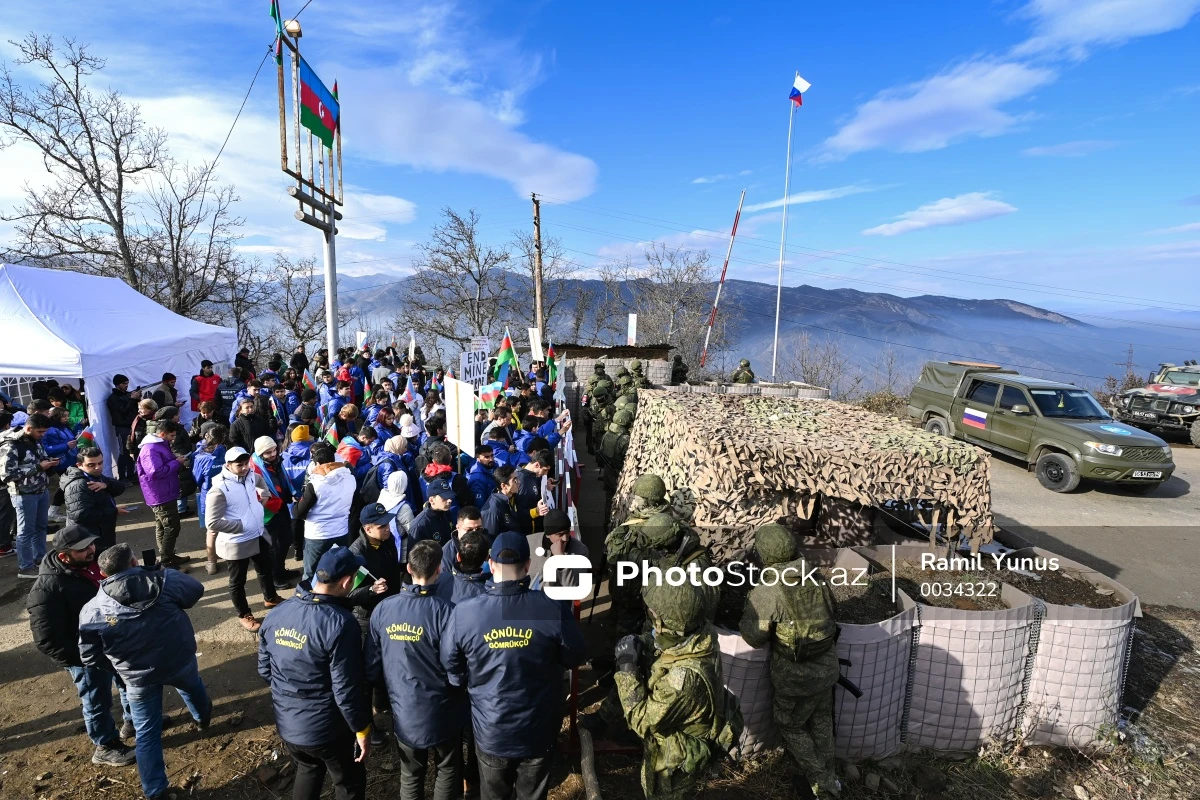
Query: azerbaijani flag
column 86, row 437
column 488, row 395
column 307, row 380
column 319, row 107
column 551, row 364
column 275, row 15
column 410, row 394
column 433, row 384
column 798, row 88
column 507, row 355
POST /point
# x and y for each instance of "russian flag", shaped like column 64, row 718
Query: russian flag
column 410, row 394
column 798, row 88
column 975, row 418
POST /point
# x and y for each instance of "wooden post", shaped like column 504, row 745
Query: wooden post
column 538, row 320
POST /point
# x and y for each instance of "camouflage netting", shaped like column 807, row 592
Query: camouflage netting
column 732, row 463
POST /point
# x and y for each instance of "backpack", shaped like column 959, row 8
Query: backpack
column 370, row 488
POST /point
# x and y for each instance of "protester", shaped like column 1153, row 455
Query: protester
column 439, row 466
column 394, row 499
column 140, row 427
column 234, row 509
column 276, row 504
column 310, row 653
column 207, row 461
column 204, row 388
column 531, row 506
column 504, row 646
column 60, row 444
column 229, row 390
column 556, row 540
column 122, row 408
column 67, row 580
column 434, row 522
column 137, row 627
column 296, row 459
column 464, row 570
column 417, row 684
column 479, row 477
column 89, row 497
column 468, row 519
column 322, row 513
column 499, row 513
column 158, row 473
column 25, row 468
column 207, row 416
column 242, row 361
column 247, row 426
column 166, row 394
column 299, row 361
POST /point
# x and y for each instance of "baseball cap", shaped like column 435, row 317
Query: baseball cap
column 205, row 363
column 73, row 537
column 337, row 564
column 440, row 487
column 264, row 443
column 235, row 454
column 510, row 540
column 375, row 514
column 556, row 521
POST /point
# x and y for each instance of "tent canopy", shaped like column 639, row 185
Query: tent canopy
column 63, row 324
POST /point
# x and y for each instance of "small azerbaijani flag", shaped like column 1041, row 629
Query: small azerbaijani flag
column 319, row 107
column 434, row 385
column 488, row 395
column 551, row 364
column 307, row 380
column 975, row 418
column 88, row 436
column 507, row 355
column 799, row 87
column 361, row 577
column 275, row 15
column 410, row 394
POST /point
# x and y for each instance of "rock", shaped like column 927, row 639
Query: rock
column 1026, row 787
column 890, row 785
column 1081, row 793
column 929, row 779
column 265, row 774
column 236, row 720
column 45, row 776
column 853, row 773
column 871, row 781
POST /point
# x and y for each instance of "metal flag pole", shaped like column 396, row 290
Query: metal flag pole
column 712, row 317
column 787, row 186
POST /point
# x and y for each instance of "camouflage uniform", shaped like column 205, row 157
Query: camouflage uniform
column 679, row 370
column 627, row 402
column 613, row 447
column 600, row 404
column 743, row 374
column 684, row 715
column 668, row 543
column 798, row 623
column 635, row 372
column 625, row 543
column 598, row 374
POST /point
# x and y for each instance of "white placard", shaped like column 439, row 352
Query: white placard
column 535, row 344
column 412, row 345
column 481, row 343
column 460, row 414
column 631, row 336
column 474, row 368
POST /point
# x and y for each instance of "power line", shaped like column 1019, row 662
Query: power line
column 238, row 116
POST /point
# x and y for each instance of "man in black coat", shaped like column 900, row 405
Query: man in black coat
column 122, row 408
column 500, row 511
column 88, row 497
column 67, row 580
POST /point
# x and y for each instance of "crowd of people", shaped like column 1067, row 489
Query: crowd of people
column 416, row 611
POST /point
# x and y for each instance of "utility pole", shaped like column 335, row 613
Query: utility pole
column 1128, row 362
column 538, row 320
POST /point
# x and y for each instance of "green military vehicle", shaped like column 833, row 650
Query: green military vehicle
column 1059, row 430
column 1170, row 401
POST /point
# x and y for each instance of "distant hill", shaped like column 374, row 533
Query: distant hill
column 915, row 329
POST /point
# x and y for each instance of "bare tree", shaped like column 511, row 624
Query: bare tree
column 557, row 291
column 821, row 363
column 117, row 205
column 460, row 287
column 240, row 299
column 298, row 302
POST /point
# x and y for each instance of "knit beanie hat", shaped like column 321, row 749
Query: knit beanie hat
column 300, row 433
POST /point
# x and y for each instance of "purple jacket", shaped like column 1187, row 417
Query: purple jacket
column 158, row 472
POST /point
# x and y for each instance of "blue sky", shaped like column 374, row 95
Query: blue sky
column 973, row 149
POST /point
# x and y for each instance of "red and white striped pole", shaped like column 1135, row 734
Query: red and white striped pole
column 712, row 317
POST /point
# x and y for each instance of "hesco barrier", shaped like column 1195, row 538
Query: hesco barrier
column 732, row 463
column 578, row 370
column 747, row 673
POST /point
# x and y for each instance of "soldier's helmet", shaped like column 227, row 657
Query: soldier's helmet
column 623, row 401
column 602, row 385
column 660, row 530
column 650, row 487
column 614, row 427
column 745, row 362
column 678, row 609
column 623, row 418
column 775, row 544
column 630, row 392
column 599, row 367
column 678, row 359
column 622, row 373
column 635, row 365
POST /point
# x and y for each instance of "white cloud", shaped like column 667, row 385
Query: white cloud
column 1071, row 26
column 1191, row 227
column 959, row 210
column 812, row 196
column 367, row 213
column 1083, row 147
column 956, row 104
column 710, row 178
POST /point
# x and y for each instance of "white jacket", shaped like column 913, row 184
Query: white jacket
column 233, row 509
column 329, row 518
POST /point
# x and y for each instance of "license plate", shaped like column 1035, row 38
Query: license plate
column 1147, row 473
column 1143, row 414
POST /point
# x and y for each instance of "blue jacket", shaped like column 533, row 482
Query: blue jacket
column 430, row 524
column 325, row 393
column 456, row 587
column 404, row 650
column 292, row 403
column 450, row 555
column 549, row 432
column 205, row 467
column 482, row 484
column 295, row 460
column 335, row 405
column 243, row 394
column 55, row 445
column 382, row 432
column 499, row 516
column 505, row 645
column 137, row 626
column 310, row 652
column 528, row 496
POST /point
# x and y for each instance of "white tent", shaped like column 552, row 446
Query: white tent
column 57, row 324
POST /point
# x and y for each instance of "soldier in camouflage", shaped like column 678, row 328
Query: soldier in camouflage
column 600, row 406
column 627, row 402
column 798, row 623
column 743, row 373
column 677, row 702
column 598, row 374
column 612, row 449
column 679, row 370
column 666, row 543
column 635, row 372
column 625, row 543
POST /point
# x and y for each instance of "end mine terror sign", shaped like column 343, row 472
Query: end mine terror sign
column 475, row 368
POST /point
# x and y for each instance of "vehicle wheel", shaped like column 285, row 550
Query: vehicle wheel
column 1194, row 432
column 938, row 425
column 1057, row 472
